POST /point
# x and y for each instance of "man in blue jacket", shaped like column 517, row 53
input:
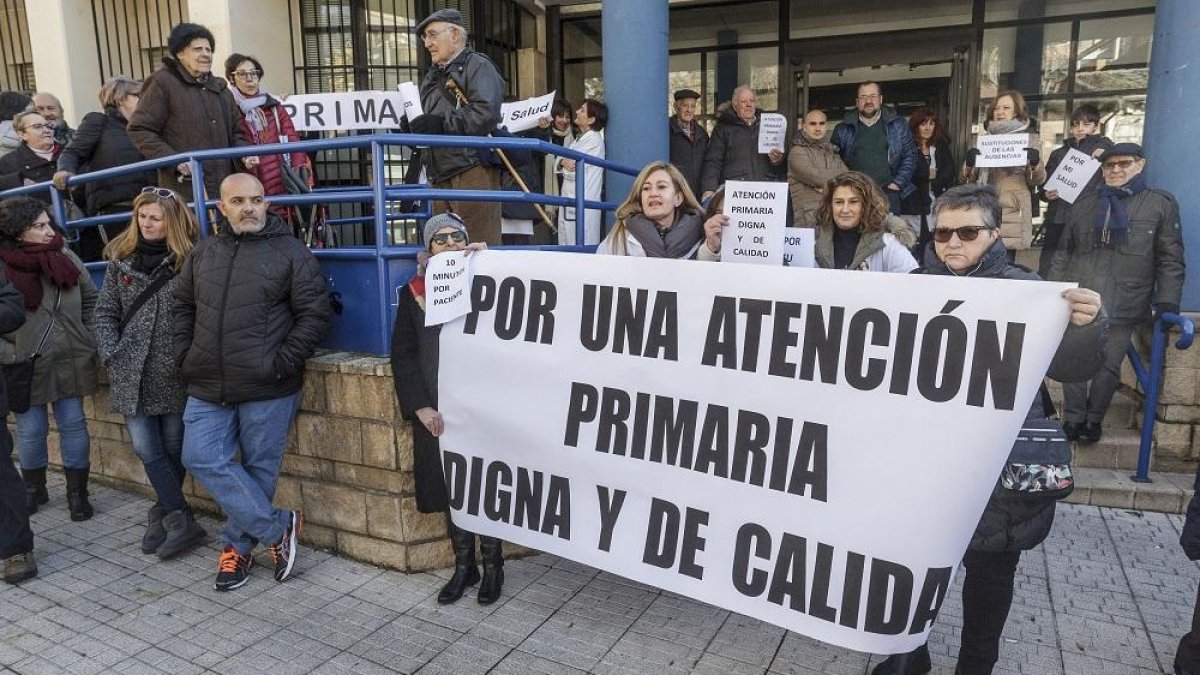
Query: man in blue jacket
column 876, row 141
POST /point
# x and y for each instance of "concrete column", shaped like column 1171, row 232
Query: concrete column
column 1172, row 163
column 635, row 87
column 259, row 29
column 62, row 39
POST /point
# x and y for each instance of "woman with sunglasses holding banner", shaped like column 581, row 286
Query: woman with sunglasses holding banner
column 1018, row 516
column 415, row 371
column 133, row 335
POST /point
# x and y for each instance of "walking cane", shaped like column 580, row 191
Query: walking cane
column 453, row 86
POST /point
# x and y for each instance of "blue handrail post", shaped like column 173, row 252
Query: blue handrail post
column 199, row 199
column 1152, row 381
column 382, row 240
column 580, row 193
column 58, row 207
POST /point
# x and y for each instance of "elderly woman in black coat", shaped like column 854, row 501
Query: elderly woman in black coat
column 415, row 370
column 967, row 243
column 34, row 159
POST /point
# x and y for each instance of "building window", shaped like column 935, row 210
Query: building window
column 16, row 58
column 131, row 35
column 826, row 18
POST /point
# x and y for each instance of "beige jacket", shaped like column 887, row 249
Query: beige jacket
column 810, row 165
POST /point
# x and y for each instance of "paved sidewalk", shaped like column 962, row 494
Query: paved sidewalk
column 1109, row 593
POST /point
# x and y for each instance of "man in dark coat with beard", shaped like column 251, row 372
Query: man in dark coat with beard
column 183, row 107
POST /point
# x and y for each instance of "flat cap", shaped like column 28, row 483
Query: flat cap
column 1123, row 150
column 686, row 93
column 446, row 15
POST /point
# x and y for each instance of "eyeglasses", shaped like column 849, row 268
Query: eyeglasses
column 247, row 74
column 37, row 127
column 1117, row 164
column 160, row 192
column 869, row 97
column 447, row 237
column 432, row 34
column 967, row 233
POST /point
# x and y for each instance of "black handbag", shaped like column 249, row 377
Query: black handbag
column 18, row 376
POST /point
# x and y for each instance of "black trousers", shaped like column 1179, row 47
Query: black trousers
column 1188, row 654
column 15, row 535
column 987, row 597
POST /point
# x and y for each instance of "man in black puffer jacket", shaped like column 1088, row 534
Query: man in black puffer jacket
column 966, row 243
column 249, row 308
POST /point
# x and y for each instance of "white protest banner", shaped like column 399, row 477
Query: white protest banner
column 1072, row 175
column 812, row 448
column 799, row 247
column 411, row 97
column 772, row 132
column 447, row 287
column 757, row 217
column 997, row 150
column 522, row 115
column 345, row 111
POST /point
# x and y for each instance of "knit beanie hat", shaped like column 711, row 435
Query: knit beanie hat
column 183, row 34
column 442, row 221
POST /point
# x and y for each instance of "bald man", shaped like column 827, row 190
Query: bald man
column 249, row 307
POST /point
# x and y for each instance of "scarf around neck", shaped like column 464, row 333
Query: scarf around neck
column 252, row 108
column 678, row 241
column 1112, row 218
column 149, row 255
column 29, row 263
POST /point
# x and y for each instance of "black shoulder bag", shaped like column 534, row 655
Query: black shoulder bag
column 18, row 376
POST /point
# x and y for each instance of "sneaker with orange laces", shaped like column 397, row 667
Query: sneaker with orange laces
column 284, row 553
column 233, row 570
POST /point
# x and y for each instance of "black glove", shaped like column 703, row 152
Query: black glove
column 972, row 154
column 1160, row 307
column 428, row 124
column 1034, row 155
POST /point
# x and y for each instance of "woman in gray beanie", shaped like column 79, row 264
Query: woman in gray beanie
column 414, row 369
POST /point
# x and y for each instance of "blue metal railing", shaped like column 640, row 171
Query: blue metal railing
column 365, row 279
column 1151, row 380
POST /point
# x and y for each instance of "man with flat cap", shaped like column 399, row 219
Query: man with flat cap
column 689, row 139
column 460, row 71
column 1124, row 242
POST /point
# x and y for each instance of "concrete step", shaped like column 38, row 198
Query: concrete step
column 1117, row 449
column 1168, row 493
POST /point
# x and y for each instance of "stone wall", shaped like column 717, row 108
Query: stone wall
column 348, row 466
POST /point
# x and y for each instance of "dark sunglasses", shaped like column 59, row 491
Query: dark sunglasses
column 969, row 233
column 447, row 237
column 159, row 192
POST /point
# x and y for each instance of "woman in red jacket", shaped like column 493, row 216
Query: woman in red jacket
column 264, row 120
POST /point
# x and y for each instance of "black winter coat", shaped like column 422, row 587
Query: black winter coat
column 1011, row 522
column 529, row 165
column 12, row 317
column 482, row 85
column 688, row 155
column 918, row 202
column 101, row 142
column 733, row 155
column 248, row 310
column 415, row 372
column 24, row 163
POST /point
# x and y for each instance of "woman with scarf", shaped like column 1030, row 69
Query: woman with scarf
column 660, row 219
column 415, row 371
column 855, row 230
column 59, row 297
column 133, row 337
column 1008, row 115
column 1123, row 241
column 264, row 121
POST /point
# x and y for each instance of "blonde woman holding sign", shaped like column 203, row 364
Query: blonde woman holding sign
column 1008, row 115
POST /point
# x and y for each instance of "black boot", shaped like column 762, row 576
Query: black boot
column 77, row 494
column 466, row 573
column 155, row 534
column 915, row 662
column 183, row 532
column 493, row 570
column 35, row 488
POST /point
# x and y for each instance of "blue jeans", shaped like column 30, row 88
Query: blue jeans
column 34, row 425
column 213, row 434
column 158, row 442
